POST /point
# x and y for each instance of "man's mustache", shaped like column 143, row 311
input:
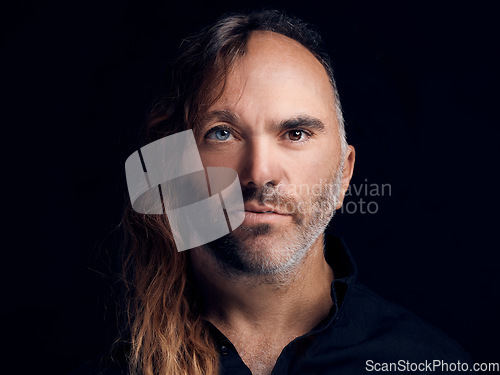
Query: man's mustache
column 266, row 195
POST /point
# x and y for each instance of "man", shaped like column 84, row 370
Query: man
column 275, row 295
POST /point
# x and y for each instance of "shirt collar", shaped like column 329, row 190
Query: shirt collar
column 345, row 273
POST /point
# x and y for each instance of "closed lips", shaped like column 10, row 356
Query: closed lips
column 249, row 207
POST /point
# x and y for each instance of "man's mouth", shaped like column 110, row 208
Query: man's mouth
column 260, row 209
column 259, row 214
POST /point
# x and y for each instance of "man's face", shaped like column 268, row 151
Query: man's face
column 276, row 125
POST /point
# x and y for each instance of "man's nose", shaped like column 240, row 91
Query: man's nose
column 260, row 165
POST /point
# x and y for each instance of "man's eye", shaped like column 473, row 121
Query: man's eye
column 219, row 135
column 297, row 135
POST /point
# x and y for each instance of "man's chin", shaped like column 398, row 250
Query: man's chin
column 258, row 250
column 254, row 230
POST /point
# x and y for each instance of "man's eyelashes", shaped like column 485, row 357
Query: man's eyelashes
column 225, row 133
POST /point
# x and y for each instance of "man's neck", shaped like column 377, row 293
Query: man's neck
column 254, row 306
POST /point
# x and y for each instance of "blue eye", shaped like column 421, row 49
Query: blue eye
column 219, row 134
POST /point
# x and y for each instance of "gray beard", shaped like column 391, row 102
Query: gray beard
column 235, row 259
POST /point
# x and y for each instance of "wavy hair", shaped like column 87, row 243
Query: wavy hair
column 165, row 330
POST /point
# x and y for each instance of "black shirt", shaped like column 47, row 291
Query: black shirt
column 363, row 333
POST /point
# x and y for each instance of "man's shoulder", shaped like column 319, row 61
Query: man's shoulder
column 385, row 327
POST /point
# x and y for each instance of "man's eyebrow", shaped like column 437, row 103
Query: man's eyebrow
column 301, row 121
column 221, row 115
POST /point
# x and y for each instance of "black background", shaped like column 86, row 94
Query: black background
column 418, row 87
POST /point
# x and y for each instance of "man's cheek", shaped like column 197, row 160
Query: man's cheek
column 303, row 208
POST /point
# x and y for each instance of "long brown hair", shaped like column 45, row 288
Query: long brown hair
column 166, row 333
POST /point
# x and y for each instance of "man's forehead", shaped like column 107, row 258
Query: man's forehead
column 265, row 43
column 277, row 75
column 269, row 53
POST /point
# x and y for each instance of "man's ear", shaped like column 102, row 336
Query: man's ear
column 349, row 157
